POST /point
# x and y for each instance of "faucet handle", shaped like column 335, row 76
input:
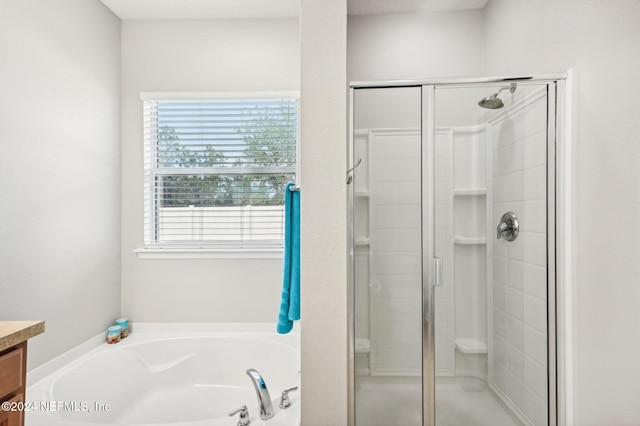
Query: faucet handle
column 508, row 227
column 244, row 416
column 284, row 399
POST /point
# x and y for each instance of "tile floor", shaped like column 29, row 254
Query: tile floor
column 460, row 401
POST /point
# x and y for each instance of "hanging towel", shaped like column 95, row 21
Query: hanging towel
column 290, row 304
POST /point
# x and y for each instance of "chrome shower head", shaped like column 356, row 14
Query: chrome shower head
column 493, row 101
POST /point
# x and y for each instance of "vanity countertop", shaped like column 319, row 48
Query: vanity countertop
column 15, row 332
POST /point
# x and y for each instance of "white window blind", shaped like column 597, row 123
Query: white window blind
column 216, row 171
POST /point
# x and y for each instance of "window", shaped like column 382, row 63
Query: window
column 216, row 171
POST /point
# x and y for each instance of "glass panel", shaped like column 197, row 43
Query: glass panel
column 387, row 257
column 491, row 312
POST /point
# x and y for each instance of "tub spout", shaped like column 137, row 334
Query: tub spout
column 264, row 399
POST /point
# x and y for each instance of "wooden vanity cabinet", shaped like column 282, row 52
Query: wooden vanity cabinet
column 13, row 383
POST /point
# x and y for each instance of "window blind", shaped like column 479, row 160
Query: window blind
column 216, row 170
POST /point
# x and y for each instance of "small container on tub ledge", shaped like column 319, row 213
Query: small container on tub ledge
column 124, row 324
column 113, row 334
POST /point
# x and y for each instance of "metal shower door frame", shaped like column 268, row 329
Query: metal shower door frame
column 428, row 255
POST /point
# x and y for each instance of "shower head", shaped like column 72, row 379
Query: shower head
column 493, row 101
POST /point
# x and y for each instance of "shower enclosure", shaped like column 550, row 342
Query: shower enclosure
column 452, row 252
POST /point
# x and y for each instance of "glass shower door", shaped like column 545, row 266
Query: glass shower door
column 453, row 254
column 490, row 180
column 387, row 257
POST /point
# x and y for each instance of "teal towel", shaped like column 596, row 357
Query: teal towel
column 290, row 304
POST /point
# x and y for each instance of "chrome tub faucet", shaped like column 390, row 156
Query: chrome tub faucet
column 264, row 399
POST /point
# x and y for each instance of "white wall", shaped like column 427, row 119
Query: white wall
column 323, row 89
column 393, row 108
column 209, row 56
column 59, row 169
column 601, row 41
column 396, row 47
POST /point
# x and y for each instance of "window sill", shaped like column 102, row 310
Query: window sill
column 209, row 253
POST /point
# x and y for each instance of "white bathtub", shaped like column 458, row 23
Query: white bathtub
column 161, row 376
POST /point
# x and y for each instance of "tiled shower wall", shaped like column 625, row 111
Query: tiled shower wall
column 518, row 359
column 396, row 273
column 445, row 333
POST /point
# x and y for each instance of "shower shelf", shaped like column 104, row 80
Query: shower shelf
column 468, row 346
column 470, row 240
column 362, row 241
column 362, row 346
column 476, row 191
column 363, row 194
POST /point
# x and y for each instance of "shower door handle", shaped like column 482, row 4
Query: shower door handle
column 437, row 270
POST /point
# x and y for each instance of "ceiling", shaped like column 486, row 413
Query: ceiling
column 267, row 9
column 383, row 7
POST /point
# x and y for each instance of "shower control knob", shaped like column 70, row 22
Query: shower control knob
column 508, row 227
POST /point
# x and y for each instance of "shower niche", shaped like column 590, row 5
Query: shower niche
column 436, row 170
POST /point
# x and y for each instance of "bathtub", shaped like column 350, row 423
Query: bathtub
column 170, row 375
